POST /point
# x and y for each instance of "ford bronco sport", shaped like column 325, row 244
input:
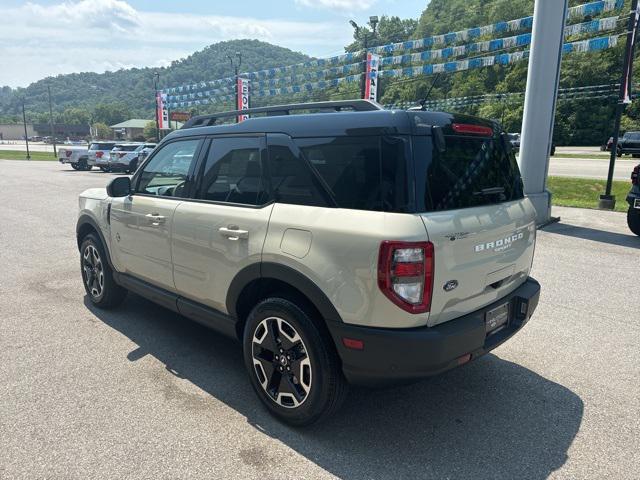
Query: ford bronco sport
column 347, row 244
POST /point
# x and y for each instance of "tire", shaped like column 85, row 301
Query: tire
column 633, row 220
column 619, row 152
column 280, row 335
column 97, row 276
column 82, row 164
column 553, row 150
column 635, row 155
column 75, row 166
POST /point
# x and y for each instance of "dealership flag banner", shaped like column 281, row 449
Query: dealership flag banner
column 163, row 112
column 243, row 97
column 371, row 78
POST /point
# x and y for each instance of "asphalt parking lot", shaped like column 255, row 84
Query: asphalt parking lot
column 142, row 393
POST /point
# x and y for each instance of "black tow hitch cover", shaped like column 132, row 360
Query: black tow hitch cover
column 119, row 187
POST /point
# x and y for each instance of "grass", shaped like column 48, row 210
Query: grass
column 22, row 155
column 593, row 156
column 584, row 192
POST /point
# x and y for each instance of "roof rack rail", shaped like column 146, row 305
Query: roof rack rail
column 276, row 110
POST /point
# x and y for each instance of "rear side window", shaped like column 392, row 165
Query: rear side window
column 291, row 179
column 101, row 146
column 233, row 172
column 471, row 172
column 362, row 173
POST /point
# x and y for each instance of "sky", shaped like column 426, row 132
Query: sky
column 41, row 38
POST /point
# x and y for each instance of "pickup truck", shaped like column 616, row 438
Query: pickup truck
column 629, row 144
column 76, row 156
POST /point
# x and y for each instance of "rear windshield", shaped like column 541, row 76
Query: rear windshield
column 632, row 135
column 101, row 146
column 126, row 148
column 471, row 172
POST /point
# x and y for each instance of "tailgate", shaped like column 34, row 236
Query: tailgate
column 481, row 254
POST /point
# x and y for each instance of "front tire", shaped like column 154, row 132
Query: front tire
column 633, row 220
column 97, row 275
column 292, row 363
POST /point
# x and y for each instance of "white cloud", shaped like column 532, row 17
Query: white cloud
column 39, row 40
column 344, row 5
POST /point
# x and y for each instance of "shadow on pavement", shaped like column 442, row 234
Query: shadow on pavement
column 490, row 419
column 595, row 235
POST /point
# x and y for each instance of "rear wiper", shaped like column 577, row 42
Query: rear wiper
column 490, row 191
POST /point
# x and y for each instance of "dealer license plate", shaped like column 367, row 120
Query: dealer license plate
column 496, row 318
column 636, row 203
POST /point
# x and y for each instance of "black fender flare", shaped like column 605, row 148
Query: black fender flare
column 283, row 273
column 85, row 219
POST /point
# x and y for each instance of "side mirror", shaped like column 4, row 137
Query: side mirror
column 119, row 187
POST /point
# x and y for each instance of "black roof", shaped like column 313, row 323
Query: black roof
column 354, row 118
column 313, row 125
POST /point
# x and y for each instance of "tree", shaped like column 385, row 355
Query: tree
column 149, row 131
column 74, row 116
column 102, row 130
column 111, row 113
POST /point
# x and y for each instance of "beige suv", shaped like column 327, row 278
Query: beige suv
column 342, row 244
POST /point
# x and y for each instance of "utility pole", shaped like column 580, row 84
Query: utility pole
column 543, row 76
column 26, row 135
column 373, row 21
column 156, row 80
column 235, row 66
column 53, row 134
column 608, row 201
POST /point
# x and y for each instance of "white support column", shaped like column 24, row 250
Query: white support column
column 549, row 18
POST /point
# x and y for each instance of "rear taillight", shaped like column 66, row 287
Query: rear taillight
column 67, row 153
column 635, row 175
column 405, row 274
column 99, row 154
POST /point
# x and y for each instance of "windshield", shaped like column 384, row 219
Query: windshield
column 632, row 135
column 471, row 172
column 126, row 148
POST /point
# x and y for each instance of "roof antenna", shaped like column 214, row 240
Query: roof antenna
column 423, row 102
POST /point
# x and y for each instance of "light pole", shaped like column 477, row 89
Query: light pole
column 607, row 200
column 236, row 69
column 373, row 21
column 156, row 80
column 26, row 136
column 53, row 135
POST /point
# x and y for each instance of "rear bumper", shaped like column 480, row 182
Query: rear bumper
column 391, row 355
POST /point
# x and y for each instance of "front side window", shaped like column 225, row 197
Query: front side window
column 233, row 172
column 166, row 173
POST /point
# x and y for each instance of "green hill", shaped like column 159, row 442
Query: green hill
column 132, row 89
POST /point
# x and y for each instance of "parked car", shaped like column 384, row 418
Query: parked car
column 514, row 138
column 77, row 157
column 629, row 144
column 633, row 199
column 360, row 246
column 99, row 152
column 145, row 152
column 124, row 157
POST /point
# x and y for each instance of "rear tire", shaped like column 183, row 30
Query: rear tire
column 83, row 165
column 633, row 220
column 292, row 363
column 75, row 166
column 97, row 275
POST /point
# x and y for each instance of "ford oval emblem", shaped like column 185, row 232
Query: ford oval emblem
column 450, row 285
